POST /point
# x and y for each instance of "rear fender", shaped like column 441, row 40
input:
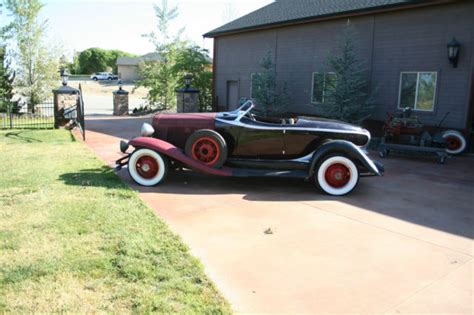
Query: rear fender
column 177, row 154
column 348, row 149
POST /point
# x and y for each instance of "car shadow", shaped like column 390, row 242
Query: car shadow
column 96, row 177
column 425, row 194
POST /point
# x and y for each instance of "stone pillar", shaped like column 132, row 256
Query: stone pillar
column 120, row 102
column 64, row 97
column 187, row 100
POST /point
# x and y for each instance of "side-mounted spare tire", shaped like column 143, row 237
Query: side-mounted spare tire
column 208, row 147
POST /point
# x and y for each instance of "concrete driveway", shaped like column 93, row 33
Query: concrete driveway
column 399, row 244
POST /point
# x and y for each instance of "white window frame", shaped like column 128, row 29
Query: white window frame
column 416, row 91
column 324, row 86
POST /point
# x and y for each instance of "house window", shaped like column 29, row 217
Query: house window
column 418, row 90
column 323, row 84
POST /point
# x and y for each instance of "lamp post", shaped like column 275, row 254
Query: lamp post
column 187, row 80
column 64, row 76
column 453, row 52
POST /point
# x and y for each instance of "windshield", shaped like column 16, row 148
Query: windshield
column 238, row 113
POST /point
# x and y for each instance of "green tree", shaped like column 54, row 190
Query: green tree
column 195, row 61
column 6, row 83
column 160, row 77
column 92, row 60
column 177, row 58
column 36, row 65
column 269, row 97
column 348, row 99
column 99, row 60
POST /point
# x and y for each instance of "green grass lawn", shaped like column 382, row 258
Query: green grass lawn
column 74, row 238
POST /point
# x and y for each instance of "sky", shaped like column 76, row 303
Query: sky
column 119, row 24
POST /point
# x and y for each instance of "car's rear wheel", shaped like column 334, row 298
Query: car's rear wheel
column 208, row 147
column 147, row 167
column 337, row 175
column 455, row 142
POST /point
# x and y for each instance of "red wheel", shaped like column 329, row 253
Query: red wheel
column 337, row 175
column 206, row 150
column 208, row 147
column 147, row 167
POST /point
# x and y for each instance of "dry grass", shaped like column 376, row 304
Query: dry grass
column 107, row 87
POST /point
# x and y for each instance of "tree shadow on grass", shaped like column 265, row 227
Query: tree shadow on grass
column 18, row 135
column 97, row 177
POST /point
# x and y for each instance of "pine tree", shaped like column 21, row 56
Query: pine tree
column 347, row 96
column 269, row 98
column 6, row 83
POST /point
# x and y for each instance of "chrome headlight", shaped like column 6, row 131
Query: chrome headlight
column 147, row 130
column 123, row 146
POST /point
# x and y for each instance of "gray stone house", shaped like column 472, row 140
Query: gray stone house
column 403, row 42
column 127, row 67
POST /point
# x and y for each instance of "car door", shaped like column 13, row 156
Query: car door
column 259, row 140
column 298, row 142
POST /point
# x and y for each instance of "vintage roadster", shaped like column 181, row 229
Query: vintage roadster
column 240, row 143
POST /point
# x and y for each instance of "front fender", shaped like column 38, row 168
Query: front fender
column 177, row 154
column 350, row 150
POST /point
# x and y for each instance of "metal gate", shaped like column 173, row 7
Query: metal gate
column 81, row 123
column 75, row 114
column 40, row 116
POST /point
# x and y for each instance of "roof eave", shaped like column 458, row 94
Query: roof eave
column 380, row 9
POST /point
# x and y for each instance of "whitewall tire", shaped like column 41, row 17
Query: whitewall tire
column 147, row 167
column 455, row 142
column 337, row 175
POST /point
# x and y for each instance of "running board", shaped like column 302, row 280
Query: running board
column 243, row 172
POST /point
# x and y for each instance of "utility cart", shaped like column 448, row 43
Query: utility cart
column 404, row 132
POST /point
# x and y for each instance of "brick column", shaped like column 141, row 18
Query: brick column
column 64, row 97
column 187, row 100
column 120, row 102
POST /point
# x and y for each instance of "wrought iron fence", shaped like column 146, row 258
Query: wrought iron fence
column 80, row 114
column 41, row 116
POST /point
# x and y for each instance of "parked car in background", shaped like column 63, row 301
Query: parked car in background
column 104, row 76
column 331, row 154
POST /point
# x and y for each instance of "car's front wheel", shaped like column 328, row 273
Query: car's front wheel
column 337, row 175
column 147, row 167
